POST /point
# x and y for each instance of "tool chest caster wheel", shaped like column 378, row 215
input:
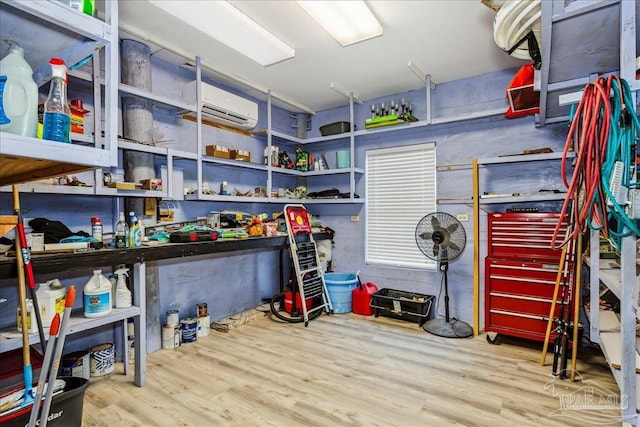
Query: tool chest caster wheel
column 494, row 338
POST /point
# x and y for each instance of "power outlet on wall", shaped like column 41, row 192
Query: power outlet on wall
column 355, row 218
column 462, row 217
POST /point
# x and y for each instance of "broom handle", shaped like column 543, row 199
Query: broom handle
column 30, row 279
column 552, row 311
column 576, row 313
column 22, row 295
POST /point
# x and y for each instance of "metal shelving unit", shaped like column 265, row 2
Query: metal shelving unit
column 45, row 28
column 503, row 199
column 617, row 336
column 573, row 54
column 577, row 41
column 75, row 36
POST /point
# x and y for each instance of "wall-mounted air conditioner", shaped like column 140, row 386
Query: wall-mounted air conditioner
column 222, row 107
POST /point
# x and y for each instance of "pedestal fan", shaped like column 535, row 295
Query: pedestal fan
column 442, row 238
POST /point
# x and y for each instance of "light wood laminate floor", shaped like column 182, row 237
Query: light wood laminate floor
column 345, row 370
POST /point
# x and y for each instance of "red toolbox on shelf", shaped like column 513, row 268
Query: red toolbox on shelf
column 520, row 274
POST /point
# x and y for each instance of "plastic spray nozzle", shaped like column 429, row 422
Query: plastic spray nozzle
column 58, row 67
column 121, row 272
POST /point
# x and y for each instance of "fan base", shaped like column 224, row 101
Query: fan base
column 454, row 328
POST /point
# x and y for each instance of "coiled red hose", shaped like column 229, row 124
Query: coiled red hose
column 585, row 200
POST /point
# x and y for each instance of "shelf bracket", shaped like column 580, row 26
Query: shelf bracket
column 421, row 75
column 347, row 94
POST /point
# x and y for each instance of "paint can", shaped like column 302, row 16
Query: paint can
column 201, row 309
column 131, row 340
column 189, row 327
column 170, row 337
column 173, row 318
column 103, row 357
column 204, row 326
column 75, row 364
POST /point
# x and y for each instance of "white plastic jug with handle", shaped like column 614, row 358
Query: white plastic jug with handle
column 51, row 298
column 18, row 94
column 97, row 295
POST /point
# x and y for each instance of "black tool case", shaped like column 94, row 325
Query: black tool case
column 402, row 305
column 193, row 236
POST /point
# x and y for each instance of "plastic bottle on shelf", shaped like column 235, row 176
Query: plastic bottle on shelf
column 135, row 238
column 51, row 298
column 123, row 294
column 97, row 296
column 122, row 232
column 31, row 318
column 96, row 228
column 57, row 114
column 18, row 94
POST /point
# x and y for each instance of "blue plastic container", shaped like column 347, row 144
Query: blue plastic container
column 343, row 159
column 340, row 287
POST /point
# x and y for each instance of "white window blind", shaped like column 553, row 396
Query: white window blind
column 401, row 189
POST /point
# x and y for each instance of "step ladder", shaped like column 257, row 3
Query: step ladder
column 306, row 260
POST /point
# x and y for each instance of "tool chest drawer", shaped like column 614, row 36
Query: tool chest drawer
column 520, row 277
column 522, row 235
column 518, row 296
column 521, row 325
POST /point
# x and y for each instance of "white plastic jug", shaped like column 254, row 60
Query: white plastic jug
column 97, row 296
column 51, row 297
column 18, row 95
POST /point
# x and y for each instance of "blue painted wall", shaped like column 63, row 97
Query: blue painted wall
column 231, row 283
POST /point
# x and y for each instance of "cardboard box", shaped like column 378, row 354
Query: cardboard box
column 242, row 155
column 123, row 185
column 77, row 115
column 217, row 151
column 152, row 184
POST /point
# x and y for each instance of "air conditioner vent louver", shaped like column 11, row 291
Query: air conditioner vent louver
column 223, row 107
column 223, row 114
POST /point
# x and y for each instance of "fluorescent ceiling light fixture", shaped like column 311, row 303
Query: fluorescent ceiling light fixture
column 225, row 23
column 348, row 22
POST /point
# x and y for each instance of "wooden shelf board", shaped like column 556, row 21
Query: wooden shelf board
column 610, row 340
column 7, row 223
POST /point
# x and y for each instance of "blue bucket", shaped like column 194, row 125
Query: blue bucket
column 340, row 287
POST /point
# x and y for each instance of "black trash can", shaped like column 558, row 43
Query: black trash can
column 65, row 410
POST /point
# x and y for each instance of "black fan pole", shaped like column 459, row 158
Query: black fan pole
column 445, row 267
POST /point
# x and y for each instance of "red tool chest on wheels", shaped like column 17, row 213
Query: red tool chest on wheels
column 520, row 273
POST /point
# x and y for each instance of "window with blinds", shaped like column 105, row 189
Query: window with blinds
column 401, row 189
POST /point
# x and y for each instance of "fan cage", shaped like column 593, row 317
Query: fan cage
column 440, row 237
